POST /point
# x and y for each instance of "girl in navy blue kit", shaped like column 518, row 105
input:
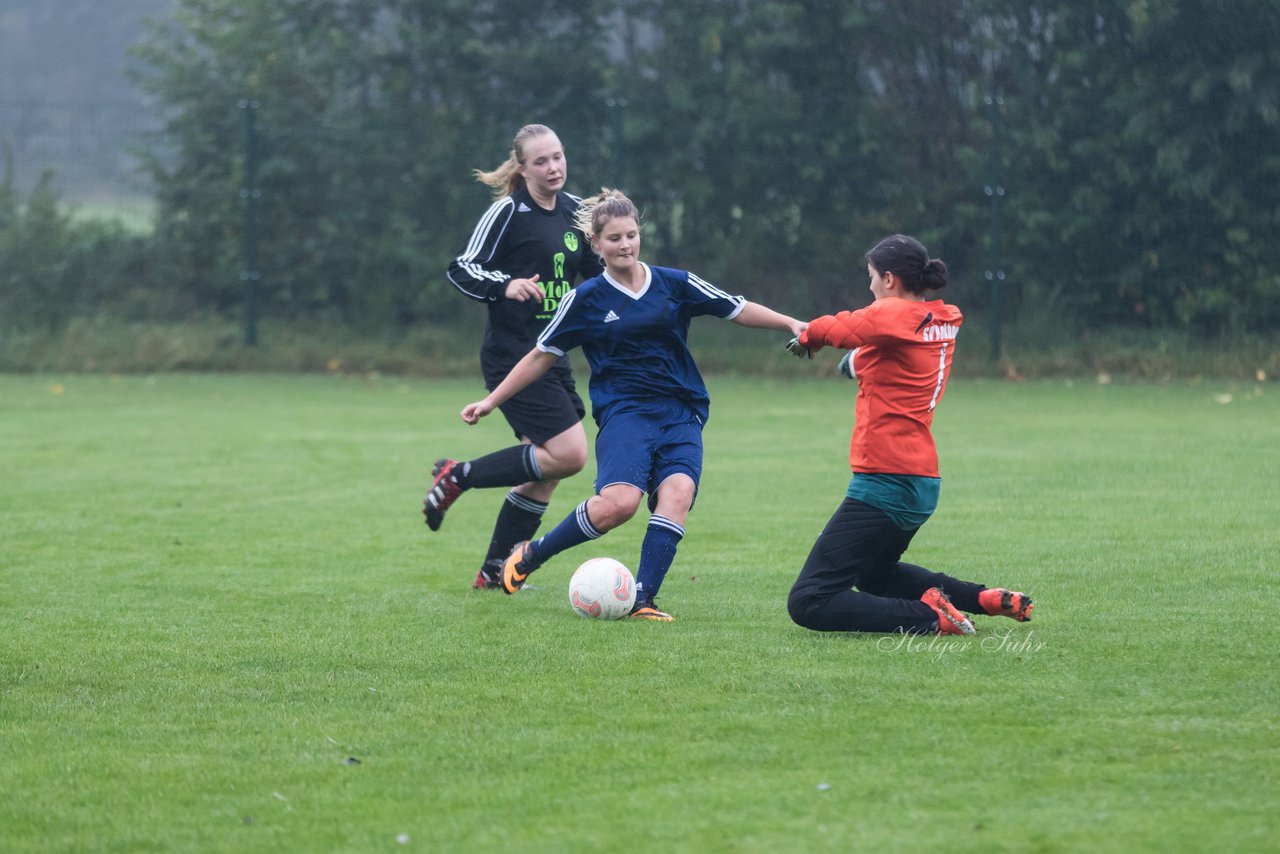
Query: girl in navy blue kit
column 647, row 396
column 522, row 259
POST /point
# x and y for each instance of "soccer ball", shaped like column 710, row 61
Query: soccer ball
column 602, row 589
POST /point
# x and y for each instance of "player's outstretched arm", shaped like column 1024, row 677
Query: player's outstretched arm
column 534, row 364
column 757, row 316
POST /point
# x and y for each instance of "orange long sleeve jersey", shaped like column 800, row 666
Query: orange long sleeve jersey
column 903, row 357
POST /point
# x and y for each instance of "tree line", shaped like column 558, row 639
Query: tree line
column 1077, row 163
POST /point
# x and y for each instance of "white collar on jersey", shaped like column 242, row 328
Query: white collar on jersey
column 648, row 280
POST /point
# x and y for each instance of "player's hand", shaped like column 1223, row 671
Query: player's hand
column 795, row 348
column 846, row 365
column 522, row 290
column 473, row 412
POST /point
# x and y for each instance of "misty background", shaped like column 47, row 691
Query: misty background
column 1102, row 179
column 66, row 102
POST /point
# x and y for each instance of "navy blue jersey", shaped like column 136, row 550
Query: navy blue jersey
column 636, row 343
column 516, row 239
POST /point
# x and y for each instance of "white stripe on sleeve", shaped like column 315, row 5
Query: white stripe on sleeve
column 479, row 237
column 565, row 302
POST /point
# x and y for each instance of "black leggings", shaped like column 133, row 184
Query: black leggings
column 860, row 547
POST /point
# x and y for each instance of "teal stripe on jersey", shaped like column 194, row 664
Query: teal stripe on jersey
column 908, row 500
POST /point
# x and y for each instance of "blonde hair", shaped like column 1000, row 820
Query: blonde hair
column 506, row 179
column 593, row 213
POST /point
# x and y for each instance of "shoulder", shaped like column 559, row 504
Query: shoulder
column 493, row 223
column 667, row 280
column 903, row 310
column 672, row 277
column 567, row 205
column 506, row 203
column 521, row 201
column 589, row 286
column 900, row 318
column 945, row 311
column 668, row 272
column 586, row 292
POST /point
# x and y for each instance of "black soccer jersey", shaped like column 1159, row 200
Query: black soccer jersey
column 517, row 238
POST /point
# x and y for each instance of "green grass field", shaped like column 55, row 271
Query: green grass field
column 224, row 627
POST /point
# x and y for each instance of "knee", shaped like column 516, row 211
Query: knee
column 538, row 490
column 674, row 497
column 679, row 492
column 608, row 512
column 574, row 459
column 566, row 462
column 800, row 605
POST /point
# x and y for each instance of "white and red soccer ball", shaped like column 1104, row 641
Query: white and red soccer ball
column 602, row 589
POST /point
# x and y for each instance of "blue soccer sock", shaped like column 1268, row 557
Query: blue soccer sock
column 574, row 530
column 656, row 555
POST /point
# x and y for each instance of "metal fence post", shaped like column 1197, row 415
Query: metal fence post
column 995, row 192
column 250, row 193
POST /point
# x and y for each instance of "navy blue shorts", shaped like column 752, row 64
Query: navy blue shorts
column 643, row 444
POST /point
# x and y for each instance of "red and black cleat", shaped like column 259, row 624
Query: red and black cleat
column 490, row 576
column 443, row 492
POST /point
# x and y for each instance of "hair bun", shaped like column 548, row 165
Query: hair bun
column 934, row 275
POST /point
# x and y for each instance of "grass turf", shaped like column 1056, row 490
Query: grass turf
column 226, row 628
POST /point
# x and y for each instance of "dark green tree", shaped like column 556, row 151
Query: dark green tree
column 370, row 116
column 769, row 142
column 1140, row 175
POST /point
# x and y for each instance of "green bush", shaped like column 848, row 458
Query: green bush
column 54, row 268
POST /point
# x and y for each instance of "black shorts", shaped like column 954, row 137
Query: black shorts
column 544, row 409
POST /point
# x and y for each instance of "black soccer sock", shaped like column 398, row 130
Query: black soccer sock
column 508, row 467
column 909, row 581
column 518, row 520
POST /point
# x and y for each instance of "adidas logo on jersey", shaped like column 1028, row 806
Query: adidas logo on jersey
column 523, row 208
column 611, row 317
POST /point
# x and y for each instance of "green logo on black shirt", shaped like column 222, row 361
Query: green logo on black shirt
column 571, row 241
column 555, row 292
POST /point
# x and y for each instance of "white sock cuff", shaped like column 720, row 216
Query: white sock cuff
column 584, row 522
column 663, row 522
column 531, row 462
column 526, row 504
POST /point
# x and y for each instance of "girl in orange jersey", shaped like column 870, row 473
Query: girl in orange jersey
column 901, row 354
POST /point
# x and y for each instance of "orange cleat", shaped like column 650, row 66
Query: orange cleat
column 950, row 621
column 999, row 602
column 645, row 610
column 517, row 568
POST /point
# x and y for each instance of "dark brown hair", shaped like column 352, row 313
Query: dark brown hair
column 906, row 258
